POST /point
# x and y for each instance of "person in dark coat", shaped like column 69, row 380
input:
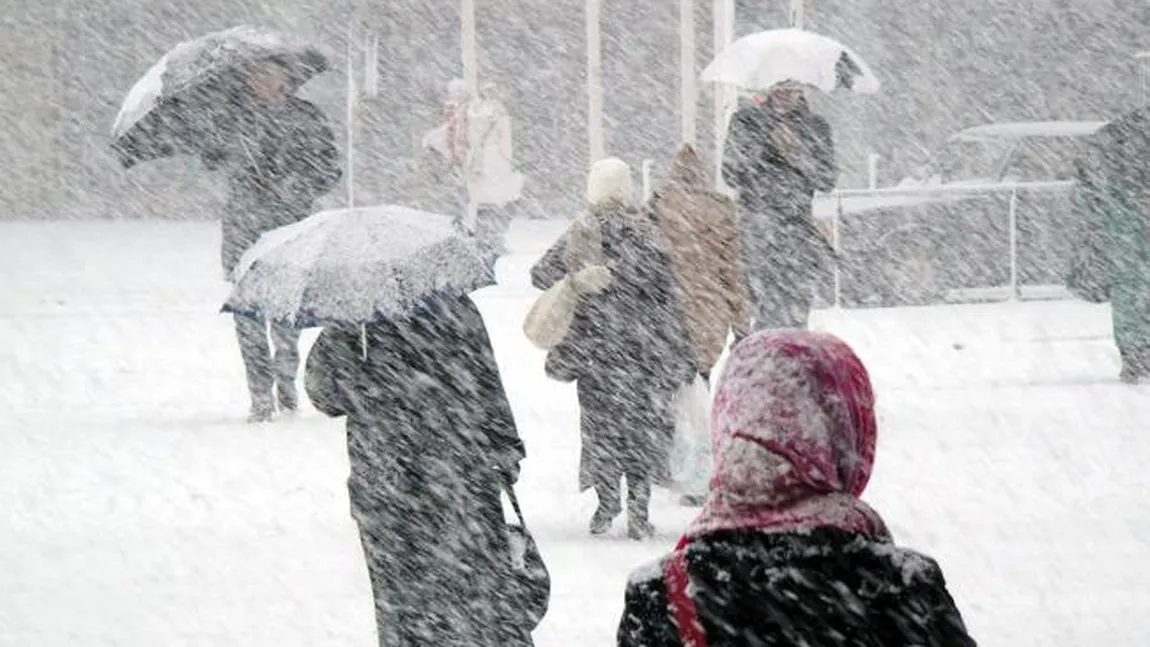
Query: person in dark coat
column 778, row 153
column 280, row 155
column 431, row 443
column 627, row 349
column 1112, row 258
column 784, row 551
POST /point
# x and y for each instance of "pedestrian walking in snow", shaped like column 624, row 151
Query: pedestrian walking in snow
column 1112, row 259
column 280, row 155
column 785, row 552
column 706, row 255
column 432, row 444
column 626, row 349
column 778, row 153
column 476, row 139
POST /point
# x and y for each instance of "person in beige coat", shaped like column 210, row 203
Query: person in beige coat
column 706, row 253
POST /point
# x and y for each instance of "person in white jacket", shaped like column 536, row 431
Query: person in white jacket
column 476, row 139
column 492, row 181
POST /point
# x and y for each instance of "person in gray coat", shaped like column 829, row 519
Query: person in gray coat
column 627, row 349
column 431, row 443
column 778, row 153
column 280, row 156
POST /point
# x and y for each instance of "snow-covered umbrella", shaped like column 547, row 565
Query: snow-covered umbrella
column 763, row 59
column 357, row 266
column 175, row 106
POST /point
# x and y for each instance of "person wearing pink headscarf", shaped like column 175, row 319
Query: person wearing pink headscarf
column 785, row 552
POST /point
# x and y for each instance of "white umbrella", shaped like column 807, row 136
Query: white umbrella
column 766, row 58
column 355, row 266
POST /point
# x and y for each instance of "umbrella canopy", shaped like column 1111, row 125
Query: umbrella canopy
column 761, row 60
column 178, row 103
column 356, row 266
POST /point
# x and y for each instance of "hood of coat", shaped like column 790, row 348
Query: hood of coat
column 610, row 181
column 688, row 170
column 793, row 434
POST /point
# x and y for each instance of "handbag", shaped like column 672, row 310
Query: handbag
column 691, row 448
column 550, row 317
column 531, row 588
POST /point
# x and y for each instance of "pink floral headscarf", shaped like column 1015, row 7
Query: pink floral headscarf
column 794, row 433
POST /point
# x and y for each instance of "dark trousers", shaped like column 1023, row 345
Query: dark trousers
column 1135, row 363
column 638, row 496
column 271, row 365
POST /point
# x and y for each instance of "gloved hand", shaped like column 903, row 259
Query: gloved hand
column 507, row 466
column 591, row 280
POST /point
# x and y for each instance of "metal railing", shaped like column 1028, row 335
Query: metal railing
column 941, row 192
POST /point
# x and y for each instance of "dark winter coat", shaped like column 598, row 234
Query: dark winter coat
column 1112, row 204
column 783, row 251
column 431, row 440
column 628, row 349
column 280, row 160
column 821, row 589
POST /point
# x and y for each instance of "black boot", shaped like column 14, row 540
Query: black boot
column 609, row 507
column 1135, row 365
column 638, row 503
column 288, row 398
column 262, row 410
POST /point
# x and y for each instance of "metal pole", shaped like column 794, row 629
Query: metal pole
column 1015, row 289
column 688, row 90
column 836, row 237
column 351, row 100
column 470, row 51
column 1144, row 82
column 872, row 170
column 594, row 82
column 797, row 14
column 723, row 14
column 647, row 164
column 371, row 68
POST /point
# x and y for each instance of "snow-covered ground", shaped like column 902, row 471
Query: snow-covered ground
column 136, row 508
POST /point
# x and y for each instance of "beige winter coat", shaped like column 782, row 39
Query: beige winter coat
column 706, row 254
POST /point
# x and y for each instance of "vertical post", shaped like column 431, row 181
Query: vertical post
column 647, row 164
column 469, row 47
column 723, row 16
column 797, row 17
column 594, row 82
column 471, row 79
column 1015, row 289
column 688, row 90
column 351, row 101
column 872, row 170
column 1143, row 81
column 836, row 238
column 371, row 67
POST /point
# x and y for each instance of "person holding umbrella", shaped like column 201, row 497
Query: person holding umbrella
column 778, row 154
column 280, row 156
column 227, row 97
column 431, row 439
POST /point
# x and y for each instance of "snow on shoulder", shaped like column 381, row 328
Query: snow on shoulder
column 914, row 566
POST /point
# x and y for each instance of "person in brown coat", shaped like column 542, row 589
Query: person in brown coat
column 706, row 255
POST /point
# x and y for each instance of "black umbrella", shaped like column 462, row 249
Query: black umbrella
column 176, row 107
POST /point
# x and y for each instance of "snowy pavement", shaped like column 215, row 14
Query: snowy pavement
column 136, row 508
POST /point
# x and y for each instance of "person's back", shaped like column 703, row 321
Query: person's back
column 785, row 552
column 431, row 442
column 821, row 588
column 1112, row 258
column 706, row 254
column 281, row 158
